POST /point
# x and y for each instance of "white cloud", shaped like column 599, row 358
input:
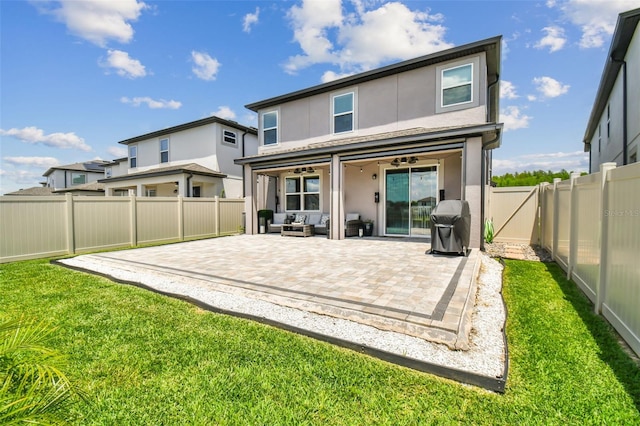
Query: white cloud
column 124, row 65
column 34, row 135
column 514, row 119
column 249, row 20
column 363, row 39
column 554, row 39
column 332, row 76
column 205, row 66
column 117, row 151
column 151, row 103
column 97, row 21
column 507, row 90
column 596, row 18
column 46, row 162
column 577, row 161
column 224, row 112
column 549, row 87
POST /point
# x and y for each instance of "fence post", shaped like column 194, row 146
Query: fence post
column 542, row 208
column 134, row 220
column 601, row 286
column 573, row 225
column 556, row 209
column 180, row 218
column 71, row 247
column 216, row 210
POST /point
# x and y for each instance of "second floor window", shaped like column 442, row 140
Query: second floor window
column 229, row 137
column 164, row 150
column 78, row 178
column 457, row 85
column 343, row 113
column 133, row 157
column 270, row 128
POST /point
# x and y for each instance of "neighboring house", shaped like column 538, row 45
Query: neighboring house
column 37, row 191
column 73, row 175
column 194, row 159
column 613, row 130
column 387, row 144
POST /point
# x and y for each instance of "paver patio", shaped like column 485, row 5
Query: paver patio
column 391, row 284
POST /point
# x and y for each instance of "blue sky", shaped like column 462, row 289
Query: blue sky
column 76, row 77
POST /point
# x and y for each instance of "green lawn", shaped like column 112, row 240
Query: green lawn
column 145, row 359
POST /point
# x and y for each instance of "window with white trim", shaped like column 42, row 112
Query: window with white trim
column 302, row 193
column 164, row 150
column 133, row 156
column 108, row 172
column 229, row 137
column 78, row 178
column 608, row 123
column 270, row 128
column 457, row 85
column 343, row 112
column 599, row 137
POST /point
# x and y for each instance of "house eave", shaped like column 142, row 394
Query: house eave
column 625, row 28
column 490, row 45
column 152, row 173
column 489, row 132
column 190, row 125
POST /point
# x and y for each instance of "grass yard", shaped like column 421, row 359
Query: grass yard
column 145, row 359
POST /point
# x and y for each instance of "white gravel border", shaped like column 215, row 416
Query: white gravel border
column 486, row 356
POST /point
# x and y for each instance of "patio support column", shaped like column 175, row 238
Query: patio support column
column 472, row 175
column 337, row 232
column 249, row 200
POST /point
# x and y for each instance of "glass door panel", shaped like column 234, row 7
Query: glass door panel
column 424, row 192
column 397, row 202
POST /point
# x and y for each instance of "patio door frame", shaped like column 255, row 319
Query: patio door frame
column 383, row 202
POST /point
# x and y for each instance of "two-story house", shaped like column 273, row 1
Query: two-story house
column 194, row 159
column 613, row 130
column 77, row 178
column 388, row 144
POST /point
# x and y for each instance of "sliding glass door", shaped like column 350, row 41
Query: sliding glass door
column 410, row 195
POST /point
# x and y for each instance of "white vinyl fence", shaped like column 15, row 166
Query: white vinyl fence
column 36, row 227
column 591, row 225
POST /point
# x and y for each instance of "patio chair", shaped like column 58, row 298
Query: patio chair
column 353, row 224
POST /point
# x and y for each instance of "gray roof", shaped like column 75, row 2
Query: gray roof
column 625, row 28
column 190, row 125
column 85, row 187
column 87, row 166
column 33, row 191
column 194, row 168
column 491, row 46
column 379, row 140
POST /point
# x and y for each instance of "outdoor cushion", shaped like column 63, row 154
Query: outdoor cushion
column 279, row 218
column 300, row 218
column 353, row 216
column 314, row 219
column 324, row 219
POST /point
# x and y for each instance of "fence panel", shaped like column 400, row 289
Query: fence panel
column 586, row 271
column 157, row 220
column 32, row 227
column 199, row 217
column 622, row 294
column 563, row 194
column 231, row 216
column 546, row 217
column 514, row 211
column 101, row 222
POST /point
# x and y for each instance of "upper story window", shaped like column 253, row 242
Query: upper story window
column 457, row 85
column 229, row 137
column 270, row 128
column 608, row 122
column 343, row 111
column 78, row 178
column 108, row 172
column 133, row 156
column 164, row 150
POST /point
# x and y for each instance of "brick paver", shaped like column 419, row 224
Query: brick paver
column 391, row 284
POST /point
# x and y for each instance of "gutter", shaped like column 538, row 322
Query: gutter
column 244, row 188
column 189, row 184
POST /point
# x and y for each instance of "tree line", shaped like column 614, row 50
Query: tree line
column 529, row 178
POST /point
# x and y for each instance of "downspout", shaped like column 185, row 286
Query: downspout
column 189, row 184
column 624, row 108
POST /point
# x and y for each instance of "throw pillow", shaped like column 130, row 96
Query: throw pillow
column 324, row 219
column 300, row 218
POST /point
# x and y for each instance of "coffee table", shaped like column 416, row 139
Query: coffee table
column 297, row 230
